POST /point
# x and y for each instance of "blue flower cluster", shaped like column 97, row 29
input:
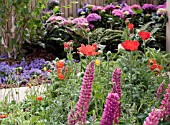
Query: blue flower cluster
column 23, row 71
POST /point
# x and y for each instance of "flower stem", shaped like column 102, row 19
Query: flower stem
column 131, row 54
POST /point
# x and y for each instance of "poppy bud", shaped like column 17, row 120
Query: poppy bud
column 100, row 53
column 109, row 53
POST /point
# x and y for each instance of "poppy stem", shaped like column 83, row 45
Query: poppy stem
column 107, row 71
column 144, row 47
column 131, row 54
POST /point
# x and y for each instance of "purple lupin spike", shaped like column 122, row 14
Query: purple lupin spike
column 111, row 107
column 79, row 115
column 160, row 90
column 154, row 116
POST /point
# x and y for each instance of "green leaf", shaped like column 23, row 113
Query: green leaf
column 56, row 9
column 67, row 6
column 74, row 2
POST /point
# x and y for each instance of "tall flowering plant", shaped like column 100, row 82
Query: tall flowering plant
column 111, row 107
column 116, row 88
column 79, row 115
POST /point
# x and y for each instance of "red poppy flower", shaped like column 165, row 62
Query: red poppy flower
column 144, row 35
column 154, row 66
column 60, row 64
column 68, row 45
column 59, row 70
column 88, row 50
column 49, row 70
column 130, row 45
column 151, row 62
column 130, row 26
column 157, row 68
column 39, row 98
column 61, row 76
column 3, row 116
column 65, row 46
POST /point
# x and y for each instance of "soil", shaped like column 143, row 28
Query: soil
column 39, row 54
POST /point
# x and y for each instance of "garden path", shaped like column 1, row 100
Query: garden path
column 19, row 94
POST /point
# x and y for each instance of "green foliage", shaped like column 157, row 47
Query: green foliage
column 139, row 85
column 25, row 24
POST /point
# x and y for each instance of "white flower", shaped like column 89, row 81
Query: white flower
column 120, row 47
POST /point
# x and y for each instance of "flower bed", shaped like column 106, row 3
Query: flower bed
column 130, row 86
column 106, row 25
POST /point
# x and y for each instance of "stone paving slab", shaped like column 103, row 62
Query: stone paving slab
column 19, row 94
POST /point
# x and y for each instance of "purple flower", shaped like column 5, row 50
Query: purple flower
column 66, row 23
column 118, row 12
column 161, row 6
column 47, row 11
column 154, row 116
column 35, row 71
column 22, row 71
column 136, row 7
column 79, row 115
column 82, row 10
column 165, row 104
column 161, row 11
column 109, row 7
column 111, row 107
column 80, row 22
column 96, row 8
column 91, row 26
column 160, row 90
column 116, row 80
column 116, row 88
column 128, row 9
column 93, row 17
column 76, row 60
column 55, row 19
column 124, row 4
column 148, row 7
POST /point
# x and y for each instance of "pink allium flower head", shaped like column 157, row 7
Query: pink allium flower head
column 148, row 7
column 161, row 6
column 93, row 17
column 109, row 7
column 161, row 11
column 165, row 104
column 136, row 7
column 96, row 8
column 91, row 26
column 118, row 12
column 154, row 116
column 111, row 107
column 128, row 9
column 160, row 90
column 66, row 23
column 79, row 115
column 56, row 18
column 80, row 22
